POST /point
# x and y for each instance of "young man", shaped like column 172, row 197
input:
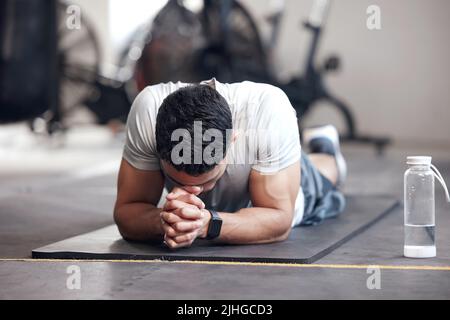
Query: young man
column 230, row 157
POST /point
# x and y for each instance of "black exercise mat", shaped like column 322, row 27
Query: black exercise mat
column 305, row 244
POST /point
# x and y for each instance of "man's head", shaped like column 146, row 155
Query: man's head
column 193, row 127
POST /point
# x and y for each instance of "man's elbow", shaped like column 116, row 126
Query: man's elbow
column 284, row 230
column 123, row 232
column 284, row 236
column 123, row 224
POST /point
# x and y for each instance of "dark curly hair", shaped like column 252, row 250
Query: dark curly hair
column 181, row 110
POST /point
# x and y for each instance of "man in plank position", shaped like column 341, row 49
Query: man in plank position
column 229, row 156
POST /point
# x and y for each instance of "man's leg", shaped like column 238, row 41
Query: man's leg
column 323, row 171
column 325, row 153
column 326, row 164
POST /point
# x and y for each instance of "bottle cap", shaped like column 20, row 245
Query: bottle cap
column 419, row 160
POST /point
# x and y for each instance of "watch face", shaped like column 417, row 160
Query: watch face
column 215, row 227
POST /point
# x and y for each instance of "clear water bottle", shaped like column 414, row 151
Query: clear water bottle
column 420, row 208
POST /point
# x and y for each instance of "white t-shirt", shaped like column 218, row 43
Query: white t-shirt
column 267, row 139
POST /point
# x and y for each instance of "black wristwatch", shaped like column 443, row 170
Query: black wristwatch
column 215, row 225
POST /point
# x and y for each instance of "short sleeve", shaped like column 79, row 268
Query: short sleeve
column 278, row 141
column 140, row 142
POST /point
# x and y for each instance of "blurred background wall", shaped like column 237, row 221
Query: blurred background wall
column 397, row 79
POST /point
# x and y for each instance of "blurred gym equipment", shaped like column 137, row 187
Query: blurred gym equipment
column 29, row 81
column 49, row 70
column 223, row 41
column 219, row 41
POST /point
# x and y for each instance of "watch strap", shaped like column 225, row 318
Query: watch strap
column 215, row 225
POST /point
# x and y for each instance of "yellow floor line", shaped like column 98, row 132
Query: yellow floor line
column 251, row 264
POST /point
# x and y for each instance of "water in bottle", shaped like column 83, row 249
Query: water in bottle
column 419, row 229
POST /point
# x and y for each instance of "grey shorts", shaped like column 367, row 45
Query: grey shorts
column 322, row 199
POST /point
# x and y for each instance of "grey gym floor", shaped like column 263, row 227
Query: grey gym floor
column 50, row 193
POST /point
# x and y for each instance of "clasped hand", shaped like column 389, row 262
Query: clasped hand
column 184, row 217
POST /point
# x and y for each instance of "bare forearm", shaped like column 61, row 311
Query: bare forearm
column 139, row 222
column 255, row 226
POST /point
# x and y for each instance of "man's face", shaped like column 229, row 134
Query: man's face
column 206, row 181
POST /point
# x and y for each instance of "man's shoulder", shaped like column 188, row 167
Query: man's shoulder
column 256, row 88
column 158, row 92
column 257, row 92
column 268, row 98
column 149, row 100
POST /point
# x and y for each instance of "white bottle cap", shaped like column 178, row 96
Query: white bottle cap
column 419, row 160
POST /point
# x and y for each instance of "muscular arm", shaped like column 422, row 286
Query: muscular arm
column 270, row 218
column 135, row 212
